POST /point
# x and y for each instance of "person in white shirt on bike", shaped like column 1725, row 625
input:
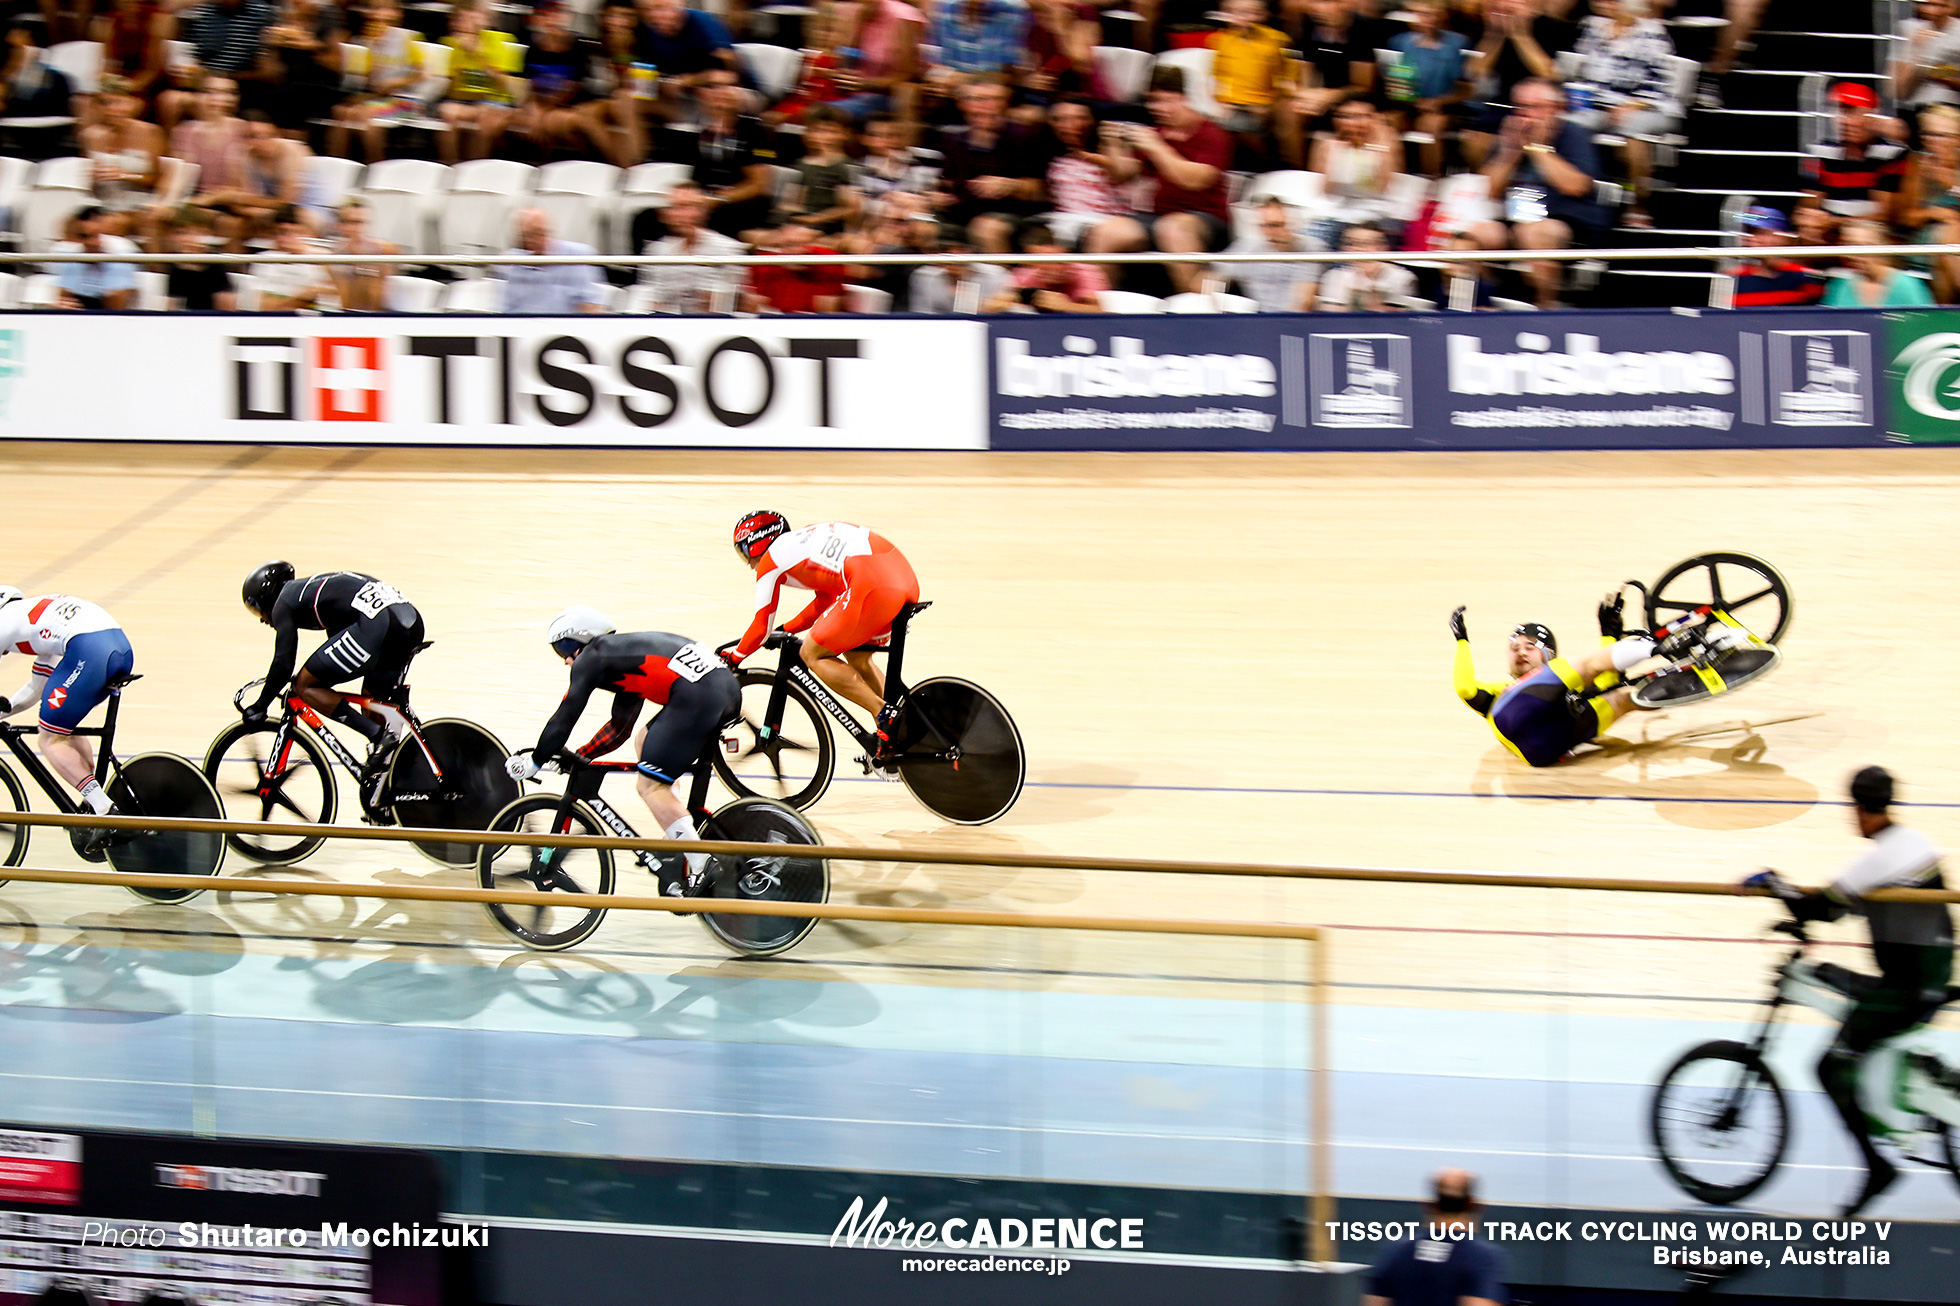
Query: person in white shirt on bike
column 78, row 651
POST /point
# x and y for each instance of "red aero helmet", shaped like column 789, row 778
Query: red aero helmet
column 754, row 532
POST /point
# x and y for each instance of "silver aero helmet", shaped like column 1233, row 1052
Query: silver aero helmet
column 8, row 594
column 575, row 627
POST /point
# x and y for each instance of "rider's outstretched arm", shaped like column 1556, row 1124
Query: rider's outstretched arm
column 807, row 618
column 1478, row 695
column 285, row 654
column 767, row 587
column 30, row 693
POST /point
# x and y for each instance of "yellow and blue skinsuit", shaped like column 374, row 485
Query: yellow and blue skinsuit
column 1540, row 717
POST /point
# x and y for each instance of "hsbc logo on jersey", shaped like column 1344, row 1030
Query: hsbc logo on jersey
column 645, row 381
column 57, row 697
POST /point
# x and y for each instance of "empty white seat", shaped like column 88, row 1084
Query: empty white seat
column 152, row 290
column 74, row 170
column 483, row 295
column 645, row 186
column 331, row 179
column 81, row 62
column 1196, row 302
column 176, row 180
column 401, row 195
column 14, row 176
column 578, row 194
column 1294, row 186
column 413, row 294
column 773, row 67
column 867, row 299
column 1125, row 72
column 482, row 196
column 42, row 290
column 1127, row 301
column 61, row 186
column 11, row 285
column 639, row 300
column 246, row 292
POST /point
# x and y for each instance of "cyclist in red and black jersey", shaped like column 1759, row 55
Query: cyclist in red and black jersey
column 696, row 692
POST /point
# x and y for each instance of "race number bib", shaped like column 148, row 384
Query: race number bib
column 691, row 662
column 831, row 554
column 374, row 596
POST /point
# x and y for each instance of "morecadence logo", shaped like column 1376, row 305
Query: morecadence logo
column 862, row 1227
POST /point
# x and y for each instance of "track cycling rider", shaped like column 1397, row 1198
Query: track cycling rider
column 1551, row 705
column 697, row 693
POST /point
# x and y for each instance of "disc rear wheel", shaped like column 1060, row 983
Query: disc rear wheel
column 958, row 751
column 163, row 784
column 784, row 877
column 471, row 789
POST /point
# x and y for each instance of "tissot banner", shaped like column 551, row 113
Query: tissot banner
column 784, row 382
column 1577, row 380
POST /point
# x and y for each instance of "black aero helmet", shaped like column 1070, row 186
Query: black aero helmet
column 1871, row 790
column 755, row 531
column 1540, row 634
column 263, row 585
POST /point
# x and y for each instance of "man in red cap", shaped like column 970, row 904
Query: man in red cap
column 1857, row 173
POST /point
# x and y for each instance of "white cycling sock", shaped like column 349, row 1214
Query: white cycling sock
column 1631, row 651
column 97, row 801
column 683, row 829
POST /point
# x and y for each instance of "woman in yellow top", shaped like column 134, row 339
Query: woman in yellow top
column 483, row 87
column 1249, row 67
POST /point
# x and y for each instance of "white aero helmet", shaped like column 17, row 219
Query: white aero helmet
column 575, row 627
column 8, row 594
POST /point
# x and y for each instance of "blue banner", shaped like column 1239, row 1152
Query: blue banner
column 1566, row 380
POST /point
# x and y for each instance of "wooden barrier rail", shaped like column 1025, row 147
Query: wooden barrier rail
column 933, row 857
column 1320, row 1211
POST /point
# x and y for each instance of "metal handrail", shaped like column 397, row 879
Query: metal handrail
column 929, row 857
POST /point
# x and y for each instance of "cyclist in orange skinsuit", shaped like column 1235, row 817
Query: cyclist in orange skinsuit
column 861, row 584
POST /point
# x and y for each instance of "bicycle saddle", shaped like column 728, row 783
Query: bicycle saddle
column 913, row 609
column 122, row 681
column 424, row 645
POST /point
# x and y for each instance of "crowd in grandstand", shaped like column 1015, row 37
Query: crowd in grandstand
column 1000, row 126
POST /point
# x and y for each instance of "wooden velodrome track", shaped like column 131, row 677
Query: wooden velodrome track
column 1229, row 657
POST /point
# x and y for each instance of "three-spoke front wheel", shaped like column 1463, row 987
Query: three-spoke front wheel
column 568, row 872
column 260, row 779
column 1720, row 1122
column 790, row 762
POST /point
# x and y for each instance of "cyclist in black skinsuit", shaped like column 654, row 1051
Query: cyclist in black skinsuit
column 373, row 633
column 698, row 695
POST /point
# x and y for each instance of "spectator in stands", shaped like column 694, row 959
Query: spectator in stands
column 1082, row 183
column 1360, row 159
column 1465, row 284
column 1187, row 155
column 127, row 153
column 894, row 231
column 213, row 138
column 795, row 287
column 817, row 68
column 1766, row 281
column 560, row 67
column 1625, row 87
column 1814, row 225
column 823, row 193
column 227, row 38
column 1048, row 287
column 305, row 45
column 483, row 86
column 1744, row 16
column 1929, row 198
column 730, row 157
column 1061, row 55
column 201, row 287
column 1519, row 42
column 684, row 45
column 993, row 168
column 1249, row 71
column 31, row 87
column 559, row 289
column 95, row 285
column 1927, row 69
column 1341, row 55
column 1365, row 285
column 287, row 286
column 884, row 76
column 1545, row 170
column 890, row 167
column 1275, row 287
column 1857, row 172
column 978, row 38
column 381, row 71
column 696, row 288
column 363, row 286
column 953, row 287
column 1433, row 1272
column 132, row 34
column 621, row 89
column 1874, row 280
column 1430, row 79
column 271, row 176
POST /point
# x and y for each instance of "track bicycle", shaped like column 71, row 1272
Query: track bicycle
column 446, row 774
column 573, row 871
column 1694, row 596
column 149, row 784
column 1720, row 1120
column 953, row 744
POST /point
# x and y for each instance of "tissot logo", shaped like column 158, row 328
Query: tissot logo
column 561, row 381
column 235, row 1179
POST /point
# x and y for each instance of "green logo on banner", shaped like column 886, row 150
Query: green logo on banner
column 1924, row 376
column 13, row 365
